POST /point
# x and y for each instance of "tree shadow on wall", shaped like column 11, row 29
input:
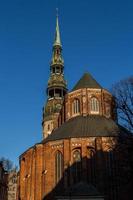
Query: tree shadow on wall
column 105, row 175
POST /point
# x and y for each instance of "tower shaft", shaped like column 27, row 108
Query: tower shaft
column 57, row 87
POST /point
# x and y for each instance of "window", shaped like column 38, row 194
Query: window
column 76, row 106
column 76, row 166
column 48, row 127
column 91, row 165
column 53, row 70
column 94, row 106
column 58, row 166
column 107, row 109
column 58, row 93
column 23, row 159
column 58, row 70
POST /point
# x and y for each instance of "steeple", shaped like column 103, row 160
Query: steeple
column 57, row 86
column 57, row 47
column 57, row 40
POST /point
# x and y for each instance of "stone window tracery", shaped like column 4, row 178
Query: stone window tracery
column 76, row 106
column 94, row 106
column 58, row 166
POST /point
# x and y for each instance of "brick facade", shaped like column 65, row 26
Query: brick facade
column 37, row 172
column 106, row 101
column 12, row 185
column 66, row 161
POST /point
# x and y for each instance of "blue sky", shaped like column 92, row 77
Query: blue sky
column 97, row 37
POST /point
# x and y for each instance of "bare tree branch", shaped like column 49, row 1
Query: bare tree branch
column 123, row 93
column 7, row 164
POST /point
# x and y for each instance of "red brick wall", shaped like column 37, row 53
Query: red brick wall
column 106, row 102
column 37, row 165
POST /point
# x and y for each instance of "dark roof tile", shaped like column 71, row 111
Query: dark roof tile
column 85, row 126
column 86, row 81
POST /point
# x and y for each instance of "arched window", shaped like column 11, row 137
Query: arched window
column 48, row 127
column 58, row 166
column 107, row 109
column 91, row 166
column 76, row 166
column 94, row 106
column 76, row 106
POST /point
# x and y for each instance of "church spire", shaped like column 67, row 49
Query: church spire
column 57, row 58
column 57, row 40
column 57, row 86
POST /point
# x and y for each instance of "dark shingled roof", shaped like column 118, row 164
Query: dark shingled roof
column 85, row 126
column 87, row 81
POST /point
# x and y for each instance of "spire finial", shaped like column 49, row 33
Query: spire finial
column 57, row 12
column 57, row 40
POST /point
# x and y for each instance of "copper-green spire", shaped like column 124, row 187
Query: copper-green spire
column 57, row 40
column 57, row 47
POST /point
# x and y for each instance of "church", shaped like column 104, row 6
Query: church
column 79, row 156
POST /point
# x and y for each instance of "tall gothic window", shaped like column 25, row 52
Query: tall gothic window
column 94, row 106
column 76, row 106
column 91, row 166
column 76, row 165
column 58, row 166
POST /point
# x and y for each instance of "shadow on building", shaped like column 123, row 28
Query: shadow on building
column 104, row 175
